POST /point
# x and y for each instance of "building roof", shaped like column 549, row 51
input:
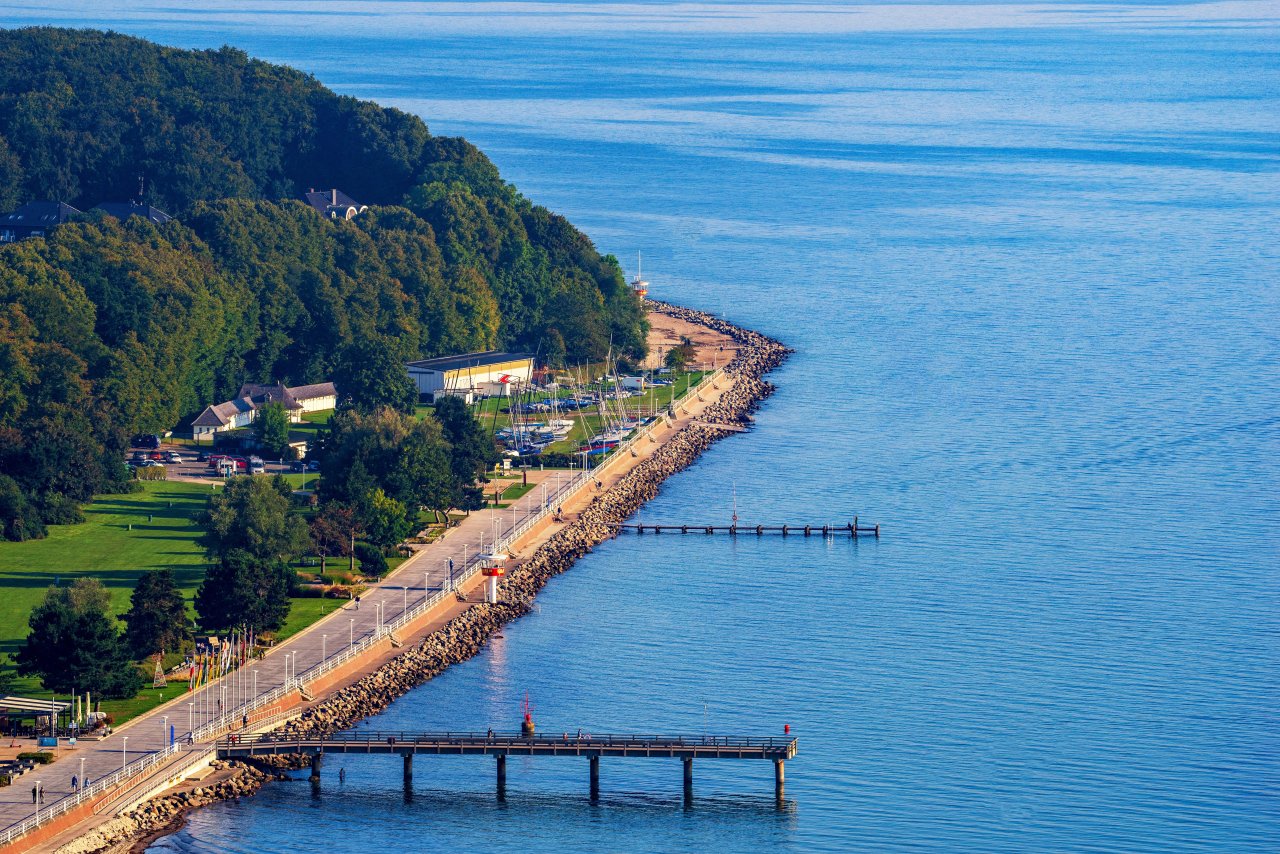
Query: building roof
column 31, row 704
column 254, row 395
column 39, row 214
column 220, row 414
column 333, row 203
column 311, row 392
column 124, row 210
column 469, row 360
column 262, row 394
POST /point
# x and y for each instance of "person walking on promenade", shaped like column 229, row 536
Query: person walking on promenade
column 357, row 603
column 34, row 794
column 75, row 784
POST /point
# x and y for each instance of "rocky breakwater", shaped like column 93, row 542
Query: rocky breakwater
column 757, row 355
column 465, row 635
column 158, row 816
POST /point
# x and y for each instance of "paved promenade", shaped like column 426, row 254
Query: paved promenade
column 420, row 576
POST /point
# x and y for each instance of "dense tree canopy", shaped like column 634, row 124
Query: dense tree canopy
column 251, row 535
column 157, row 616
column 74, row 644
column 109, row 328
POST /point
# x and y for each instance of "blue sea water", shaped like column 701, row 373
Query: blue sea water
column 1027, row 256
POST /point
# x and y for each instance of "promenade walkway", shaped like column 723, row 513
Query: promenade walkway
column 416, row 580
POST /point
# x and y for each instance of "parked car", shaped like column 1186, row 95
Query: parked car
column 257, row 467
column 297, row 466
column 145, row 440
column 150, row 464
column 138, row 456
column 201, row 456
column 174, row 457
column 156, row 455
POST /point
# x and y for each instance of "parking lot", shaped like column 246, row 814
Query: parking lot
column 193, row 468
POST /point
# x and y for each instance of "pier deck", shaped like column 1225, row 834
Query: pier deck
column 852, row 529
column 502, row 745
column 513, row 744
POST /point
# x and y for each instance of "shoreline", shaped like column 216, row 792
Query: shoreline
column 465, row 635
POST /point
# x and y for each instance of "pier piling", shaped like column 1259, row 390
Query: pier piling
column 779, row 778
column 502, row 776
column 688, row 779
column 595, row 778
column 316, row 759
column 408, row 767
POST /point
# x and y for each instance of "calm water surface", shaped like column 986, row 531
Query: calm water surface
column 1028, row 259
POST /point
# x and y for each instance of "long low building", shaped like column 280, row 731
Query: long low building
column 240, row 411
column 492, row 373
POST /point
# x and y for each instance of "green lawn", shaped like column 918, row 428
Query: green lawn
column 164, row 532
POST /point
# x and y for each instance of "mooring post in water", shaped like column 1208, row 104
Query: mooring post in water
column 502, row 776
column 316, row 759
column 688, row 778
column 408, row 767
column 779, row 778
column 595, row 778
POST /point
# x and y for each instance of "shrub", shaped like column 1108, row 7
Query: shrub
column 41, row 758
column 58, row 509
column 371, row 559
column 152, row 473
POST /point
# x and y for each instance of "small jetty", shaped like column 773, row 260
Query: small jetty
column 852, row 529
column 525, row 743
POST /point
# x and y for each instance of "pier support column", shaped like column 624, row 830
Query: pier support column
column 779, row 778
column 502, row 776
column 316, row 759
column 408, row 767
column 688, row 778
column 595, row 778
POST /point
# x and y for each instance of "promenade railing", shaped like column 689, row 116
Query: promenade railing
column 235, row 716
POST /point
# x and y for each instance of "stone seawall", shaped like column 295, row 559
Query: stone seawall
column 465, row 635
column 133, row 830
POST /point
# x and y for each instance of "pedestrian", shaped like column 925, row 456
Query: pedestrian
column 42, row 794
column 244, row 721
column 357, row 603
column 34, row 794
column 579, row 733
column 75, row 784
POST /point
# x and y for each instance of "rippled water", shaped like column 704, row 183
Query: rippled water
column 1027, row 256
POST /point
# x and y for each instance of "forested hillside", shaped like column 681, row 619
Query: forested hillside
column 110, row 328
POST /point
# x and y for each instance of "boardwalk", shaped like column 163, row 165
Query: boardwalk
column 501, row 745
column 418, row 581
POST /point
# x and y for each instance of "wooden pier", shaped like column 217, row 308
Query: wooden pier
column 852, row 529
column 502, row 745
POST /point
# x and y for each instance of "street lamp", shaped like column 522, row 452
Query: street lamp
column 324, row 647
column 191, row 718
column 39, row 792
column 255, row 682
column 351, row 631
column 124, row 752
column 164, row 730
column 405, row 590
column 82, row 773
column 378, row 606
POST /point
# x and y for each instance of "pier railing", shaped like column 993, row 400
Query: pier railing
column 253, row 707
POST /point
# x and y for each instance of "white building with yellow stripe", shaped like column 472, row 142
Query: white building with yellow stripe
column 492, row 373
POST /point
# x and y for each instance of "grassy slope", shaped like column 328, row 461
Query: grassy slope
column 105, row 548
